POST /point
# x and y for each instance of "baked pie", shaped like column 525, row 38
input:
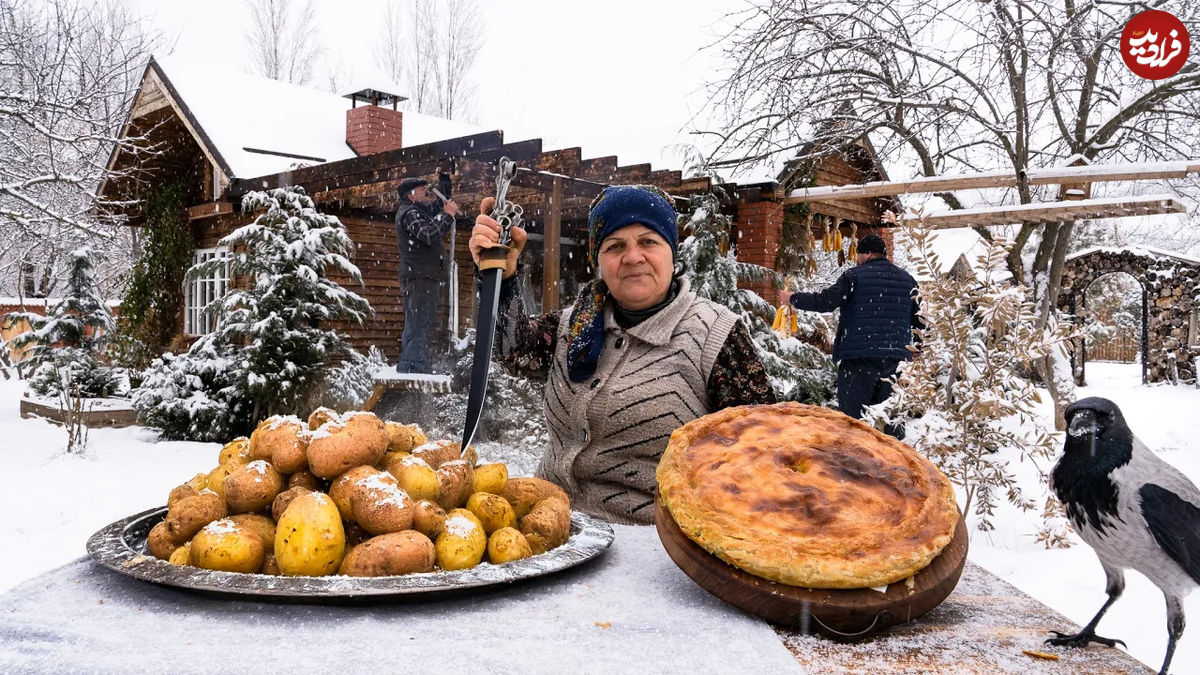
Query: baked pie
column 806, row 496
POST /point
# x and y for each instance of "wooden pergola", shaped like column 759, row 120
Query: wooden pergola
column 1074, row 204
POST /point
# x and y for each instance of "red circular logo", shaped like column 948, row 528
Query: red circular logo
column 1155, row 44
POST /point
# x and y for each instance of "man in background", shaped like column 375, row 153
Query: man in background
column 422, row 219
column 878, row 307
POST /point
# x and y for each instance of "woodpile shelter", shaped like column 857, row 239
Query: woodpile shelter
column 225, row 134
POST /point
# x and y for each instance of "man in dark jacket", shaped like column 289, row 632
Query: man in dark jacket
column 421, row 221
column 878, row 312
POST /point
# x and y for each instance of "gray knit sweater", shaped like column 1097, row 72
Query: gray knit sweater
column 607, row 434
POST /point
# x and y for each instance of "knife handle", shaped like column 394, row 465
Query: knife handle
column 493, row 258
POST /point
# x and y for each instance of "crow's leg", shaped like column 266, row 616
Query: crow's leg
column 1114, row 588
column 1175, row 623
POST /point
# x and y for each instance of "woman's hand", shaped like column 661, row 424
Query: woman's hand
column 486, row 234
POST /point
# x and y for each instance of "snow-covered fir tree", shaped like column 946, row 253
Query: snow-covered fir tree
column 70, row 336
column 270, row 353
column 963, row 399
column 798, row 370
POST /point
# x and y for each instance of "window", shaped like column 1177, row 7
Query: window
column 203, row 290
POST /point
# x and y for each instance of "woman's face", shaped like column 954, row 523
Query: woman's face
column 636, row 264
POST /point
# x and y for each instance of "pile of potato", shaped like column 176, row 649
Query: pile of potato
column 352, row 494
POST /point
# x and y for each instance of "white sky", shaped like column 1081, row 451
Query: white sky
column 622, row 77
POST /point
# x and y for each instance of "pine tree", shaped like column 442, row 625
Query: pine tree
column 70, row 336
column 962, row 398
column 798, row 370
column 270, row 353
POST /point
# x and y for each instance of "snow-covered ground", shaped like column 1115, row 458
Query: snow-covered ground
column 54, row 502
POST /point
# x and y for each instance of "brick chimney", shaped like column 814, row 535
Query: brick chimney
column 371, row 128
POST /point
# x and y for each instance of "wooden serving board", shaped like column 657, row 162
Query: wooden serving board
column 840, row 614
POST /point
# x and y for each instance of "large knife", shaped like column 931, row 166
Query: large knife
column 492, row 262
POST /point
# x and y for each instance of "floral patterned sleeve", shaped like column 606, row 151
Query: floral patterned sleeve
column 738, row 377
column 525, row 344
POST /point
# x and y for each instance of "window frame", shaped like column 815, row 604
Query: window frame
column 198, row 293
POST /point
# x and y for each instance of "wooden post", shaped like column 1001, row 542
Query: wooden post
column 552, row 233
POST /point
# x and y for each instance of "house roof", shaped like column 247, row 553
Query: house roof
column 257, row 126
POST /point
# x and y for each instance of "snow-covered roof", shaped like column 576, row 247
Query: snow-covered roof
column 949, row 245
column 241, row 113
column 1147, row 251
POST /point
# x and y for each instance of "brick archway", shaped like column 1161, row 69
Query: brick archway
column 1171, row 301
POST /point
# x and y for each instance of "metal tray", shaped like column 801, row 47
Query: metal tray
column 121, row 546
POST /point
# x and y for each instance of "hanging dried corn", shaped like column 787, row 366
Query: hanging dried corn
column 853, row 254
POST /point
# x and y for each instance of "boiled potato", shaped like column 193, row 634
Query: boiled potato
column 189, row 514
column 462, row 543
column 263, row 526
column 404, row 437
column 185, row 490
column 321, row 416
column 548, row 525
column 506, row 545
column 428, row 518
column 417, row 478
column 493, row 511
column 380, row 506
column 391, row 458
column 306, row 479
column 159, row 542
column 252, row 487
column 523, row 493
column 235, row 453
column 337, row 447
column 490, row 478
column 343, row 487
column 226, row 546
column 436, row 453
column 216, row 480
column 309, row 539
column 404, row 552
column 284, row 434
column 198, row 482
column 283, row 499
column 182, row 555
column 455, row 483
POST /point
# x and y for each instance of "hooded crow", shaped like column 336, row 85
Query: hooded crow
column 1135, row 510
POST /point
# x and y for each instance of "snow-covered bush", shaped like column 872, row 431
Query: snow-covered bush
column 962, row 397
column 271, row 350
column 798, row 370
column 193, row 396
column 69, row 338
column 513, row 415
column 350, row 383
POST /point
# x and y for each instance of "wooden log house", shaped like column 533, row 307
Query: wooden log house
column 225, row 134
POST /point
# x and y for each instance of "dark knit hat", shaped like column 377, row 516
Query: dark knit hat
column 409, row 184
column 872, row 244
column 622, row 205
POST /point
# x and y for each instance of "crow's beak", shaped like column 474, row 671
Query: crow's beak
column 1084, row 423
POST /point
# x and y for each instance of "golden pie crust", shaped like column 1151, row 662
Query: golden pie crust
column 806, row 496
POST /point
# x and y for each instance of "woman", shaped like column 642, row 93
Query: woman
column 635, row 357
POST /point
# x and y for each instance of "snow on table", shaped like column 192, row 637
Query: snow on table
column 983, row 627
column 631, row 610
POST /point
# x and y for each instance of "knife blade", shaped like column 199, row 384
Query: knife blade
column 492, row 262
column 485, row 337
